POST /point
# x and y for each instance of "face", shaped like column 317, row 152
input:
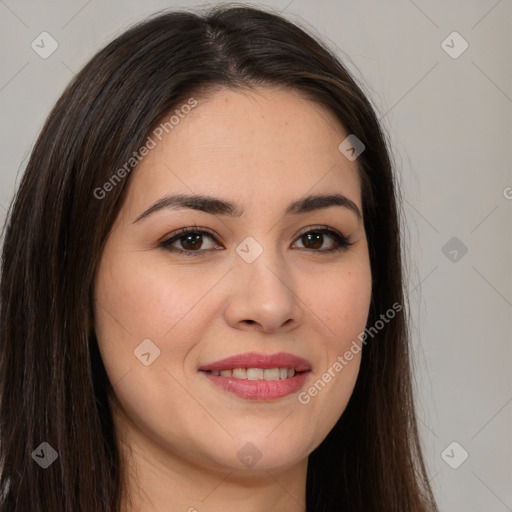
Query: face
column 224, row 343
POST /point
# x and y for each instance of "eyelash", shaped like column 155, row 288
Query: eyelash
column 341, row 243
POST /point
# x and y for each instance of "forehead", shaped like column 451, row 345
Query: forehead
column 267, row 144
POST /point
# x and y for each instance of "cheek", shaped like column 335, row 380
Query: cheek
column 342, row 303
column 342, row 307
column 131, row 306
column 134, row 304
column 142, row 300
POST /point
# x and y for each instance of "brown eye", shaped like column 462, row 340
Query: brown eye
column 189, row 242
column 315, row 238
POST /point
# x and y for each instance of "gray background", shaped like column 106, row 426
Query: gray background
column 450, row 123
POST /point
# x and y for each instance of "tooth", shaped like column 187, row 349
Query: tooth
column 240, row 373
column 271, row 373
column 254, row 373
column 257, row 373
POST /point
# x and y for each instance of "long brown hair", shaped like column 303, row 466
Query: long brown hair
column 53, row 385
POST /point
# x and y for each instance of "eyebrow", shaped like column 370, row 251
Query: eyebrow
column 217, row 206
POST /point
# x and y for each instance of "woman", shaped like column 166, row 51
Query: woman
column 202, row 301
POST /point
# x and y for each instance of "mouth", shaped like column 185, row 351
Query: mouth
column 269, row 374
column 258, row 376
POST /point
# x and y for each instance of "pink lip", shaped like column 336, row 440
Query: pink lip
column 255, row 360
column 261, row 390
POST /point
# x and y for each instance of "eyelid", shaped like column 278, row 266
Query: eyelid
column 188, row 230
column 176, row 235
column 319, row 227
column 341, row 241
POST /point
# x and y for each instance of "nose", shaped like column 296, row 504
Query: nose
column 264, row 295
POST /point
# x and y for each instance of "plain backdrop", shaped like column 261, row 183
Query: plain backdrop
column 447, row 110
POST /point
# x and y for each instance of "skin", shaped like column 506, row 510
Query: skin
column 179, row 434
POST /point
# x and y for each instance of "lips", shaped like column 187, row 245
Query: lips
column 264, row 361
column 259, row 377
